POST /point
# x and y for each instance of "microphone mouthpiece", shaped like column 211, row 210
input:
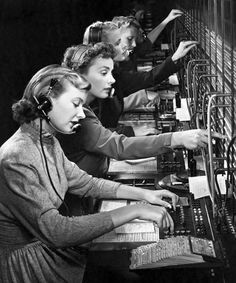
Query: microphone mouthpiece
column 75, row 128
column 130, row 51
column 111, row 93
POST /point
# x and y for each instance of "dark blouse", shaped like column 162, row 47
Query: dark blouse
column 93, row 143
column 109, row 110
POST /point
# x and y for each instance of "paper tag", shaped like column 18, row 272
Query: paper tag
column 165, row 46
column 173, row 80
column 199, row 186
column 221, row 181
column 182, row 114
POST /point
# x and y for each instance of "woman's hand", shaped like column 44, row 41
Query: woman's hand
column 174, row 13
column 192, row 139
column 183, row 49
column 153, row 97
column 157, row 214
column 155, row 197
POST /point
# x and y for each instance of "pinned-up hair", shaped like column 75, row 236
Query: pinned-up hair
column 130, row 21
column 47, row 82
column 80, row 57
column 126, row 21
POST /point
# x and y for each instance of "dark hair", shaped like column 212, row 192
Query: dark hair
column 80, row 57
column 25, row 110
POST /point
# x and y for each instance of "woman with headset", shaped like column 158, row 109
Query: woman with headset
column 128, row 82
column 93, row 144
column 37, row 243
column 139, row 43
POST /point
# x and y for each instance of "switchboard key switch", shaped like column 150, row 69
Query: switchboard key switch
column 162, row 166
column 172, row 234
column 188, row 232
column 166, row 234
column 177, row 232
column 169, row 166
column 196, row 218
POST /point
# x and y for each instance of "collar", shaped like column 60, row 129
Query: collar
column 32, row 129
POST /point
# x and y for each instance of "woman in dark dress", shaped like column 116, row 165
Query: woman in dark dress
column 93, row 144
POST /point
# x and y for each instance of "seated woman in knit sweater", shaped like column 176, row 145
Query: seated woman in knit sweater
column 93, row 144
column 37, row 243
column 128, row 82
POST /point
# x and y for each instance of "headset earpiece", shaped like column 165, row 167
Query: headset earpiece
column 43, row 101
column 95, row 34
column 44, row 105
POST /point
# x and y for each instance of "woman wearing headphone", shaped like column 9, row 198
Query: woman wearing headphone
column 91, row 146
column 128, row 82
column 139, row 43
column 36, row 241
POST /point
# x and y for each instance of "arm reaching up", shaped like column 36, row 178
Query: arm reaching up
column 153, row 35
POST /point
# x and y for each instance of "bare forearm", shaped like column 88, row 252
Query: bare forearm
column 153, row 35
column 123, row 215
column 128, row 192
column 154, row 213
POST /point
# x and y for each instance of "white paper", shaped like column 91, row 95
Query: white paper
column 165, row 46
column 140, row 160
column 199, row 186
column 182, row 114
column 144, row 68
column 108, row 205
column 134, row 227
column 221, row 181
column 173, row 79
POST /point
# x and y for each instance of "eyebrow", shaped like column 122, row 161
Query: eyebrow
column 78, row 99
column 104, row 67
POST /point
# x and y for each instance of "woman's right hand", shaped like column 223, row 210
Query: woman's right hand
column 174, row 13
column 157, row 214
column 183, row 48
column 193, row 139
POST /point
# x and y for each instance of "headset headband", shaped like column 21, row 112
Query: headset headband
column 95, row 34
column 79, row 53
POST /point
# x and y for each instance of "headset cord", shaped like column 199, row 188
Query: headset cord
column 49, row 176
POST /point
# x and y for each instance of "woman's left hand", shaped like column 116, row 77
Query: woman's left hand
column 153, row 97
column 156, row 197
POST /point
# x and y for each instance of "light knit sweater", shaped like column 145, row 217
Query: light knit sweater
column 35, row 240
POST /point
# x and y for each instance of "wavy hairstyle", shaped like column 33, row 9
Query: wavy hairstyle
column 130, row 21
column 25, row 110
column 80, row 57
column 126, row 21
